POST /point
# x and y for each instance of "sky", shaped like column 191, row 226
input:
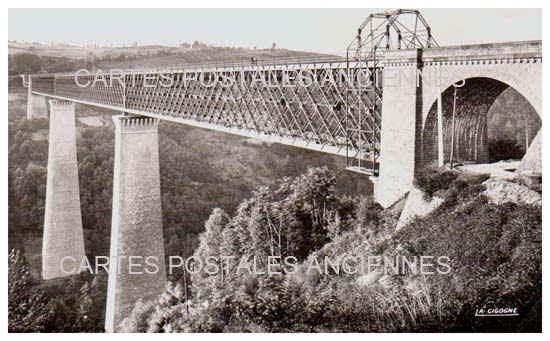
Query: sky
column 313, row 30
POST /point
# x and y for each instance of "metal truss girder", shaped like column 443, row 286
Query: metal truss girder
column 315, row 113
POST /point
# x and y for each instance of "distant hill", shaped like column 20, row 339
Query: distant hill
column 35, row 57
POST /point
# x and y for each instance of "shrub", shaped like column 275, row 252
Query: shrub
column 431, row 180
column 495, row 255
column 369, row 213
column 137, row 321
column 28, row 308
column 494, row 252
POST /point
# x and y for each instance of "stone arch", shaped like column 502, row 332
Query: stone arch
column 474, row 100
column 525, row 76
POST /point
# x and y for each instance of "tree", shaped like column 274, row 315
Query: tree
column 137, row 321
column 210, row 243
column 28, row 308
column 91, row 59
column 293, row 219
column 157, row 315
column 211, row 238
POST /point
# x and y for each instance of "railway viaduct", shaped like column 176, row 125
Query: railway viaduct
column 385, row 107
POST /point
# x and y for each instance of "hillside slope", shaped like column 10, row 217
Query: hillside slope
column 35, row 58
column 200, row 170
column 480, row 257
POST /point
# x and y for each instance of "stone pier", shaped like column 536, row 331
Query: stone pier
column 399, row 145
column 63, row 243
column 136, row 230
column 37, row 106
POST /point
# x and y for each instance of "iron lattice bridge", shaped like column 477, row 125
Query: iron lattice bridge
column 327, row 104
column 321, row 106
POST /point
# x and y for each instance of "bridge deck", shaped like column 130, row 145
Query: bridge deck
column 324, row 104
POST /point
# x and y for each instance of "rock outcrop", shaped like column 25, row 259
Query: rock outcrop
column 532, row 161
column 501, row 191
column 530, row 169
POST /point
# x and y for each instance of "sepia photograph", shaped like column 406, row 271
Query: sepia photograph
column 274, row 170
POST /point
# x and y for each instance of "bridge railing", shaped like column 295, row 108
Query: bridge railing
column 243, row 63
column 296, row 60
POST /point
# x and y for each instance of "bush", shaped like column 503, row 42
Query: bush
column 431, row 180
column 495, row 255
column 138, row 322
column 494, row 252
column 369, row 213
column 28, row 308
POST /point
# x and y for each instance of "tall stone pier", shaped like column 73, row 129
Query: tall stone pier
column 63, row 244
column 136, row 230
column 401, row 123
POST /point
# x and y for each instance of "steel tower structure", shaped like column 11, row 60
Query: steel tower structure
column 380, row 32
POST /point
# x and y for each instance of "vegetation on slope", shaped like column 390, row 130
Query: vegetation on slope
column 495, row 249
column 494, row 252
column 200, row 170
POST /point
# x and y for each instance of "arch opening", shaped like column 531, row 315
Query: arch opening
column 492, row 122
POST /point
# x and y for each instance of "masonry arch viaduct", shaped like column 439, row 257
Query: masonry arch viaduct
column 484, row 70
